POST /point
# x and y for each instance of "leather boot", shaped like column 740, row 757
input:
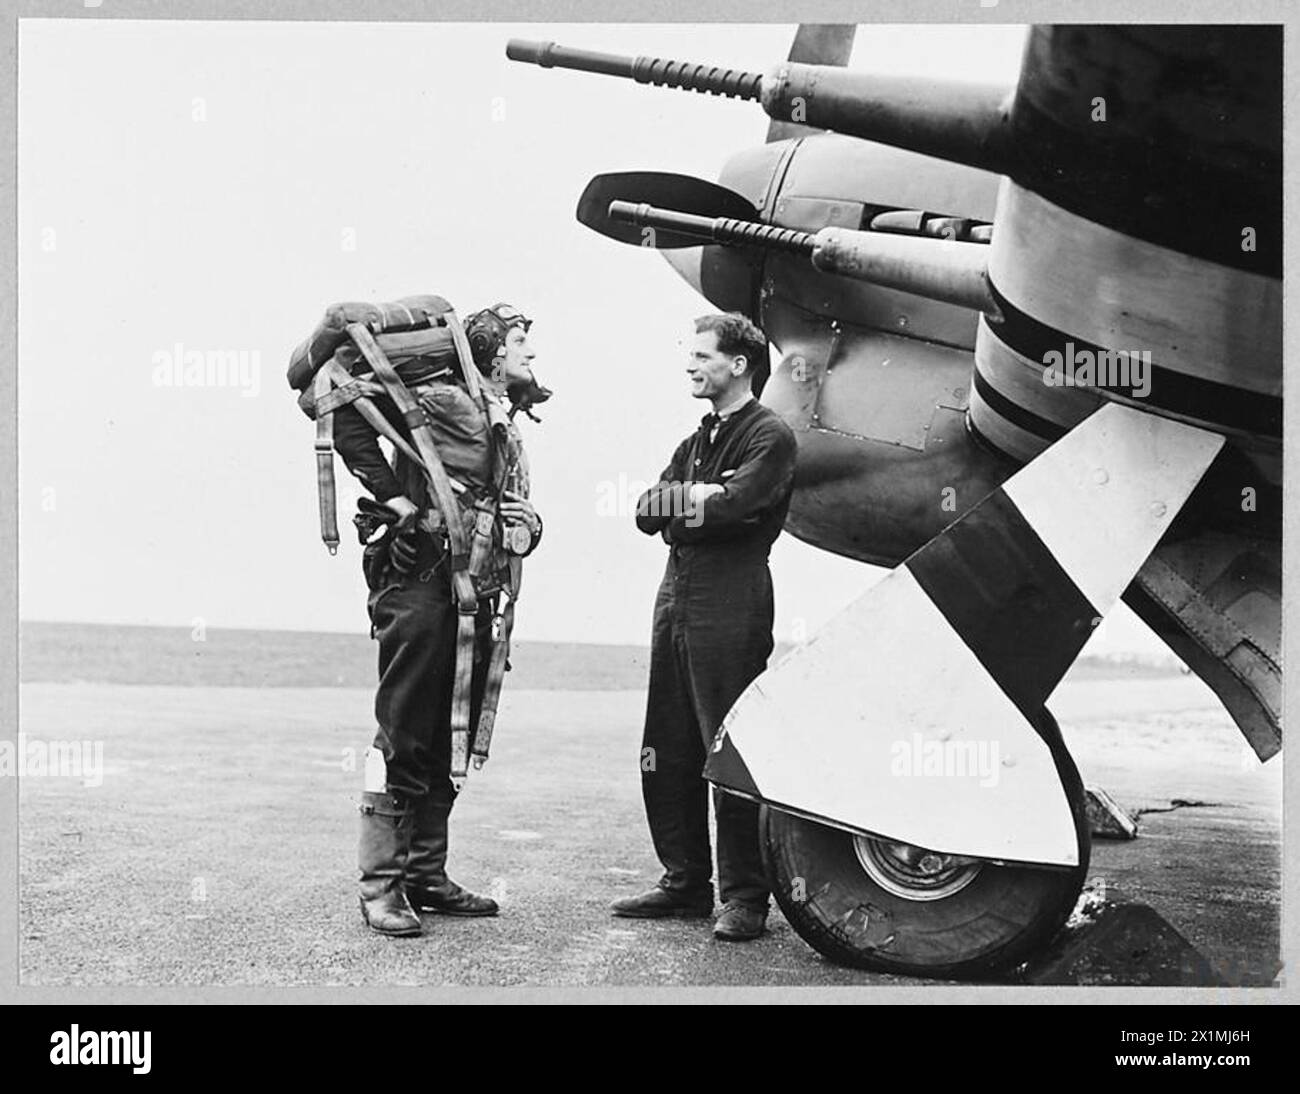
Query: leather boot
column 427, row 885
column 740, row 922
column 386, row 827
column 660, row 903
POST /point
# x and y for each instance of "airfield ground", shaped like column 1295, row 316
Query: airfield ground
column 219, row 849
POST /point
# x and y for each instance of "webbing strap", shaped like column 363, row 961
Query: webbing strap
column 467, row 367
column 460, row 697
column 381, row 425
column 468, row 558
column 325, row 491
column 327, row 401
column 341, row 395
column 439, row 484
column 372, row 414
column 496, row 672
column 498, row 420
column 480, row 559
column 462, row 583
column 480, row 550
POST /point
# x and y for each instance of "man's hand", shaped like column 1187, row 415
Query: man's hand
column 404, row 549
column 404, row 538
column 515, row 507
column 405, row 509
column 701, row 490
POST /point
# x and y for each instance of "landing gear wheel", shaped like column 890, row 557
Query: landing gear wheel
column 891, row 907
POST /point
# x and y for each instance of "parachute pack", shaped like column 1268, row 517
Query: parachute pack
column 384, row 359
column 416, row 340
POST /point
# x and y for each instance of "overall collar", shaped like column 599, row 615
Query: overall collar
column 717, row 417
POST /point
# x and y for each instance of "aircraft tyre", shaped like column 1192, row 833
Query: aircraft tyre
column 890, row 907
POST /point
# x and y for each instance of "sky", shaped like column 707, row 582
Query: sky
column 213, row 186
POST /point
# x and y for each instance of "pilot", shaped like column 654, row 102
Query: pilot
column 719, row 505
column 408, row 793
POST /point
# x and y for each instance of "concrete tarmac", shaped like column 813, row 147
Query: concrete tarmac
column 219, row 848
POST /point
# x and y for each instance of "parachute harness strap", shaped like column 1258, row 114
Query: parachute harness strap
column 485, row 520
column 462, row 581
column 325, row 487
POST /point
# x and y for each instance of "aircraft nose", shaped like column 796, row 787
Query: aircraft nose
column 686, row 262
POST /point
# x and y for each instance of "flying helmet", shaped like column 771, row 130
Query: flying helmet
column 487, row 330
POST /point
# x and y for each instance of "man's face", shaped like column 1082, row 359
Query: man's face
column 711, row 372
column 513, row 367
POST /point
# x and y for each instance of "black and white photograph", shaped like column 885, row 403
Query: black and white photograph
column 615, row 511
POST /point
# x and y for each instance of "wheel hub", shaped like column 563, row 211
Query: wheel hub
column 914, row 873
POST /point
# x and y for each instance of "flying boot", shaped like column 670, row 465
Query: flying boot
column 427, row 886
column 387, row 824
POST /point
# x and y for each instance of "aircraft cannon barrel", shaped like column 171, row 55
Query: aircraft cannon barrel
column 946, row 270
column 706, row 79
column 714, row 229
column 965, row 122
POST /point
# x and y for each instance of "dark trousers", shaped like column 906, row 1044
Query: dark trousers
column 414, row 618
column 712, row 636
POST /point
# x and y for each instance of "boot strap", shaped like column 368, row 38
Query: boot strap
column 388, row 808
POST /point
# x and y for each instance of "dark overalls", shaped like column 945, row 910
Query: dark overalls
column 712, row 636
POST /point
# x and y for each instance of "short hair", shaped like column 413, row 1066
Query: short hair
column 738, row 337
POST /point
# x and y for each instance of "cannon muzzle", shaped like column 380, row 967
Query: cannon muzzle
column 706, row 79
